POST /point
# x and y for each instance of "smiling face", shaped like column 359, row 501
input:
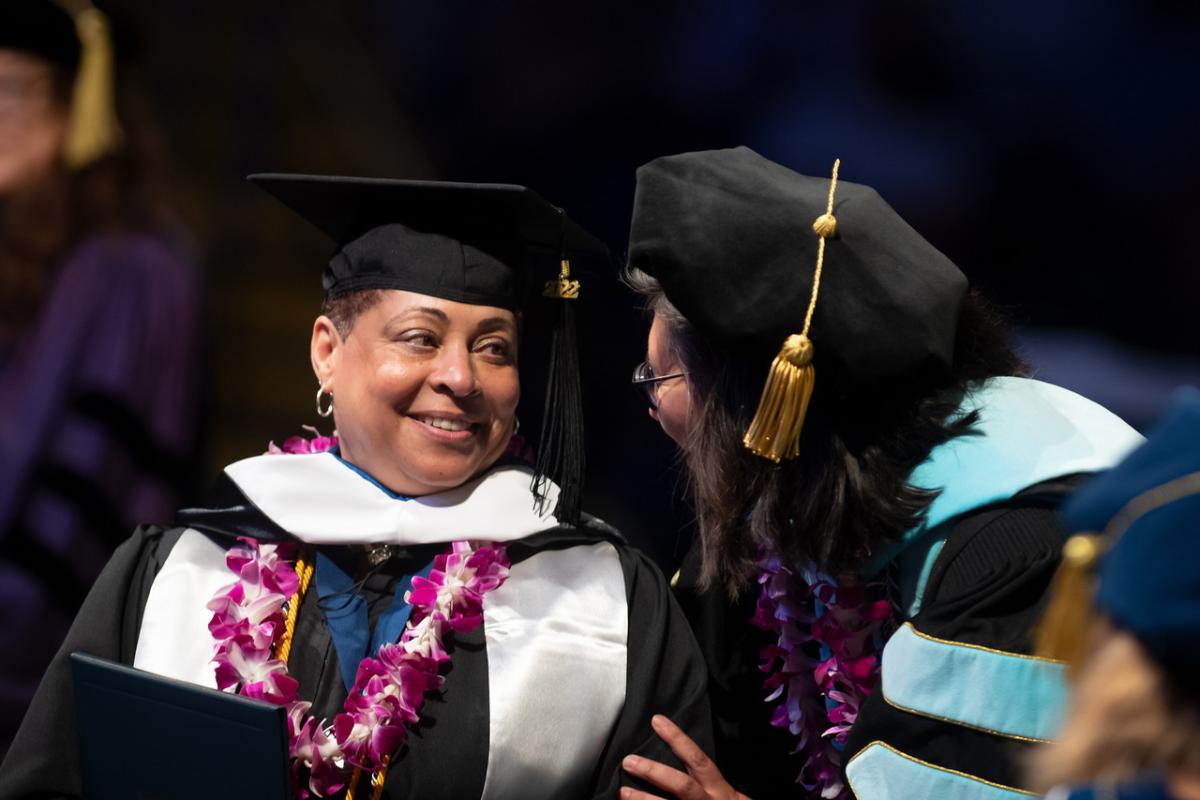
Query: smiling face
column 425, row 390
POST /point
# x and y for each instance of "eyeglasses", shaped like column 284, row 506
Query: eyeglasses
column 643, row 376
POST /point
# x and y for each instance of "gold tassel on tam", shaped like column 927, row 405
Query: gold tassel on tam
column 774, row 432
column 1063, row 633
column 93, row 130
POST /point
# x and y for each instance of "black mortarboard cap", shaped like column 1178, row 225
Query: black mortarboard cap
column 729, row 235
column 40, row 27
column 480, row 243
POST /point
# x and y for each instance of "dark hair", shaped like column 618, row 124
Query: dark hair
column 344, row 309
column 847, row 495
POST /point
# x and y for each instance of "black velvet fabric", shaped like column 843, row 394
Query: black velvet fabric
column 988, row 587
column 729, row 235
column 754, row 756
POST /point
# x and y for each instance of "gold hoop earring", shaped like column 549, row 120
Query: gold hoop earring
column 324, row 412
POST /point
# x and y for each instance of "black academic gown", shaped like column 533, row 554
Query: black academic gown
column 447, row 753
column 989, row 588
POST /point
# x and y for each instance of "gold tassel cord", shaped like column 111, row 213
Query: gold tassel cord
column 353, row 787
column 1063, row 632
column 774, row 433
column 93, row 130
column 304, row 571
column 379, row 779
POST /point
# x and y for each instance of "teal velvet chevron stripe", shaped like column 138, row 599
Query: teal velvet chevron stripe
column 880, row 772
column 1003, row 693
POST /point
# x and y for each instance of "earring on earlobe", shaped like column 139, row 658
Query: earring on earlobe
column 324, row 412
column 516, row 425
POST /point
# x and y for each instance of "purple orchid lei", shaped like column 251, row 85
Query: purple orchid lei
column 298, row 444
column 823, row 664
column 389, row 689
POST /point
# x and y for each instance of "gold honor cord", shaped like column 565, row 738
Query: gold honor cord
column 774, row 432
column 378, row 779
column 304, row 571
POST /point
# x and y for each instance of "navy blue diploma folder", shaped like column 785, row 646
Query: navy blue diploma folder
column 146, row 737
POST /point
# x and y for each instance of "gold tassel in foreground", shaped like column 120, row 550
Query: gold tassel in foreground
column 774, row 432
column 1063, row 633
column 93, row 130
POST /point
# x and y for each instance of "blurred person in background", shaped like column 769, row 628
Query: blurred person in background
column 98, row 317
column 1125, row 616
column 877, row 506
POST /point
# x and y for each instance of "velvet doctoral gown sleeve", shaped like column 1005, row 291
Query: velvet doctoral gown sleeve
column 43, row 761
column 666, row 675
column 755, row 757
column 961, row 698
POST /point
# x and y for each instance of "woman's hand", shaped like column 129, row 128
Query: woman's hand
column 702, row 781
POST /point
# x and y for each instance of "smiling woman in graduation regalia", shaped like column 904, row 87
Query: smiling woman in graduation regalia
column 549, row 682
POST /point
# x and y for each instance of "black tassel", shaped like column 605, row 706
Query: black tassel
column 560, row 455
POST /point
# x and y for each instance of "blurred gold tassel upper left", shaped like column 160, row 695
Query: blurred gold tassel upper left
column 93, row 130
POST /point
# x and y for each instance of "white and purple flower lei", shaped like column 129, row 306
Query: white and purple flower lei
column 294, row 445
column 823, row 665
column 389, row 689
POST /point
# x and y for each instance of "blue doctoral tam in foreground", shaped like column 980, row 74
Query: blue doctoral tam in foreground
column 1148, row 508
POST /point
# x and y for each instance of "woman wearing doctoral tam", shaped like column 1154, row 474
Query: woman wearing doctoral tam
column 1133, row 729
column 875, row 484
column 438, row 616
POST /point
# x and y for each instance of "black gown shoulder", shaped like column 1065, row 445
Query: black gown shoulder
column 754, row 756
column 43, row 761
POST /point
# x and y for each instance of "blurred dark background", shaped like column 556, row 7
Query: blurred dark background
column 1050, row 149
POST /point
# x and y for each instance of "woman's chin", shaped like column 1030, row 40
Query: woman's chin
column 432, row 475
